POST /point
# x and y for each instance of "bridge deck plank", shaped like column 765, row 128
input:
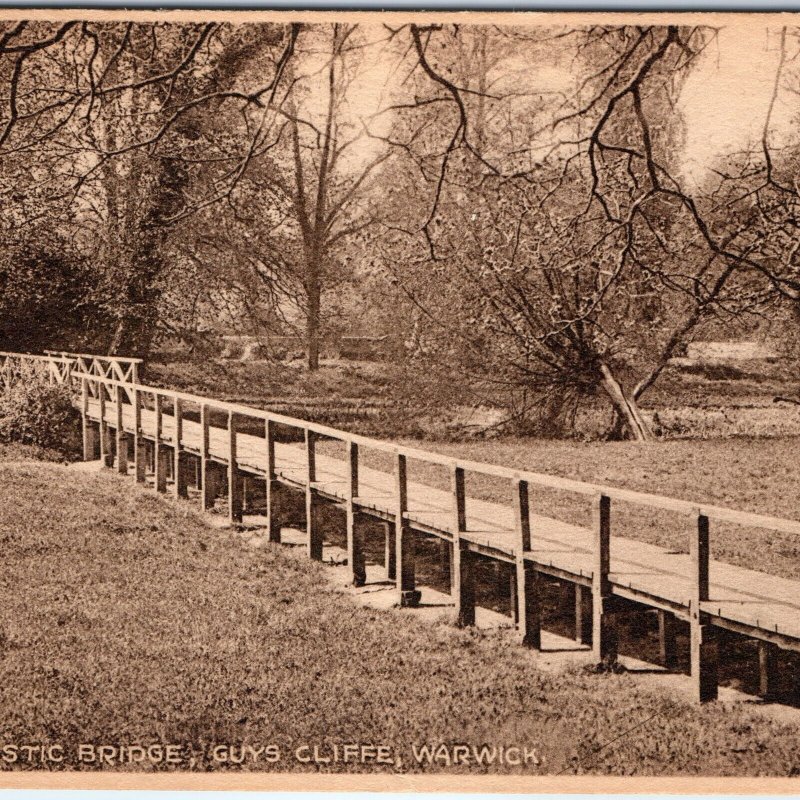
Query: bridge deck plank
column 754, row 599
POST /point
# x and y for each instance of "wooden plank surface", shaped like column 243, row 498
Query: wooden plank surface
column 740, row 595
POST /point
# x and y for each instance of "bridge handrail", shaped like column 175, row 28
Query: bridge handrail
column 48, row 358
column 684, row 507
column 68, row 354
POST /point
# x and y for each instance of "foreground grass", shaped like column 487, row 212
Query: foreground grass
column 126, row 620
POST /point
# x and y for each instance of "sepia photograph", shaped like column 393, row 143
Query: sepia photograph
column 400, row 401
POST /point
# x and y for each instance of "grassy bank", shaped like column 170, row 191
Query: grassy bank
column 126, row 620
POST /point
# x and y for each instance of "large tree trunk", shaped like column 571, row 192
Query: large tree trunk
column 625, row 407
column 312, row 327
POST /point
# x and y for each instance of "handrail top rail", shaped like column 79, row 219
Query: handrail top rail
column 95, row 357
column 685, row 507
column 50, row 358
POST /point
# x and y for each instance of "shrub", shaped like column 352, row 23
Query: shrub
column 35, row 412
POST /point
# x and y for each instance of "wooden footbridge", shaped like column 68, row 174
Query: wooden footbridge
column 185, row 441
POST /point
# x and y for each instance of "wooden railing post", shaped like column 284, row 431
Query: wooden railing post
column 527, row 585
column 404, row 548
column 667, row 645
column 207, row 485
column 604, row 635
column 463, row 575
column 234, row 476
column 87, row 426
column 122, row 438
column 389, row 557
column 159, row 452
column 179, row 469
column 273, row 521
column 767, row 669
column 313, row 526
column 703, row 642
column 355, row 544
column 583, row 614
column 139, row 454
column 105, row 444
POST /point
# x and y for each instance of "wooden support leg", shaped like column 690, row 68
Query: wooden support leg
column 500, row 580
column 795, row 678
column 182, row 471
column 271, row 490
column 247, row 492
column 605, row 642
column 273, row 510
column 212, row 484
column 529, row 602
column 162, row 460
column 235, row 495
column 235, row 487
column 604, row 638
column 513, row 596
column 704, row 660
column 313, row 522
column 703, row 640
column 122, row 453
column 160, row 455
column 666, row 639
column 91, row 440
column 446, row 560
column 139, row 458
column 355, row 549
column 355, row 530
column 527, row 581
column 208, row 487
column 464, row 594
column 583, row 614
column 405, row 558
column 767, row 669
column 389, row 561
column 314, row 526
column 105, row 444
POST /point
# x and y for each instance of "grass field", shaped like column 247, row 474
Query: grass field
column 397, row 399
column 126, row 619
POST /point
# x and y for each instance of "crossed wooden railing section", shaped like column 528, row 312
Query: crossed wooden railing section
column 16, row 367
column 116, row 367
column 160, row 430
